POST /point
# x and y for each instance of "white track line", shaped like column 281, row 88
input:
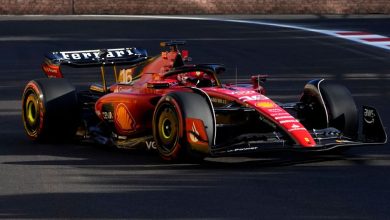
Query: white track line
column 378, row 41
column 366, row 38
column 355, row 36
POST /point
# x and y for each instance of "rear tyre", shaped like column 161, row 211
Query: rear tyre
column 50, row 110
column 169, row 123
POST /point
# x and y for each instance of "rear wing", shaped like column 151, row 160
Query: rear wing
column 90, row 58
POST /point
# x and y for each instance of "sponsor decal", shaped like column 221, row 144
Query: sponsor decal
column 243, row 149
column 245, row 92
column 289, row 121
column 196, row 135
column 295, row 126
column 193, row 138
column 277, row 110
column 108, row 108
column 107, row 115
column 95, row 54
column 151, row 145
column 124, row 119
column 296, row 129
column 52, row 71
column 125, row 76
column 218, row 100
column 280, row 114
column 265, row 104
column 283, row 117
column 369, row 116
column 49, row 69
column 252, row 98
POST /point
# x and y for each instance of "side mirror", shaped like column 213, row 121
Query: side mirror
column 258, row 82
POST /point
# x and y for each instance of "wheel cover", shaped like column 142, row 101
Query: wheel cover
column 168, row 124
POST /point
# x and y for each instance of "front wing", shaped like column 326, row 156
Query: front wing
column 372, row 132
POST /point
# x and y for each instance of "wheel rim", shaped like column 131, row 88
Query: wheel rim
column 166, row 128
column 168, row 124
column 31, row 112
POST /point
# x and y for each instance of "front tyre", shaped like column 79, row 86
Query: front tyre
column 329, row 105
column 183, row 126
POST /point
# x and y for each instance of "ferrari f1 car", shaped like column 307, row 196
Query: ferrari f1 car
column 182, row 109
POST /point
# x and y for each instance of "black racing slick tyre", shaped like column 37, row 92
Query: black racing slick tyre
column 169, row 125
column 50, row 110
column 331, row 105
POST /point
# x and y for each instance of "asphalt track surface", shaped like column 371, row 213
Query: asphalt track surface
column 83, row 181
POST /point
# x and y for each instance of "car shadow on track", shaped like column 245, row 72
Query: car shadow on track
column 15, row 143
column 94, row 155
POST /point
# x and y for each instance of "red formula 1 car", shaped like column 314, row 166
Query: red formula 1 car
column 184, row 111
